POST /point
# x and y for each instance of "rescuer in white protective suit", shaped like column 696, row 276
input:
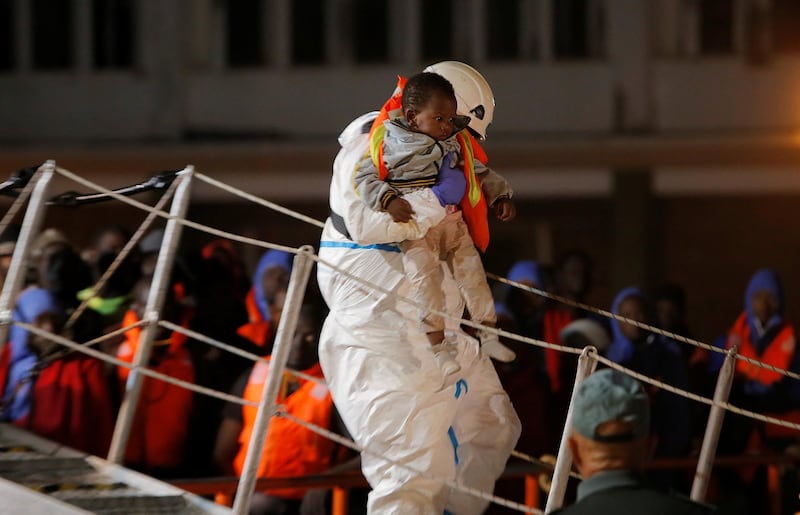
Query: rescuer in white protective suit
column 416, row 426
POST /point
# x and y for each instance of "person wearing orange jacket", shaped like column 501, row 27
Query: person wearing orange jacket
column 289, row 449
column 161, row 425
column 264, row 301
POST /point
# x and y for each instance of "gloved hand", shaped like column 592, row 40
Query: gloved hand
column 451, row 183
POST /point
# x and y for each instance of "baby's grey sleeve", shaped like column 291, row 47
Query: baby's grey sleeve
column 373, row 191
column 493, row 184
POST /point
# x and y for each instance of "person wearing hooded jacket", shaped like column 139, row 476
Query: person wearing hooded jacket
column 264, row 301
column 657, row 357
column 417, row 427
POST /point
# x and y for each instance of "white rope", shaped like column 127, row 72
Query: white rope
column 640, row 325
column 123, row 254
column 163, row 214
column 379, row 289
column 470, row 323
column 233, row 350
column 260, row 201
column 102, row 356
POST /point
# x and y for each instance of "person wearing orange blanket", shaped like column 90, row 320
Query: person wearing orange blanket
column 419, row 148
column 289, row 449
column 160, row 427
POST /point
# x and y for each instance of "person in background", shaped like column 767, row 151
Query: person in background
column 526, row 379
column 610, row 444
column 670, row 306
column 58, row 276
column 158, row 435
column 219, row 310
column 64, row 395
column 109, row 240
column 660, row 358
column 761, row 332
column 573, row 279
column 289, row 449
column 265, row 299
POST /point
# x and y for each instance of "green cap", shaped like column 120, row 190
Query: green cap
column 609, row 395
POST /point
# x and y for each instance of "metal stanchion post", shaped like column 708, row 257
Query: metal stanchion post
column 708, row 450
column 31, row 225
column 558, row 488
column 155, row 301
column 301, row 271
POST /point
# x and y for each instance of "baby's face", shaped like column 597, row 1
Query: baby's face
column 436, row 118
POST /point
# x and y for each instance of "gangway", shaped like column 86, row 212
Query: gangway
column 38, row 476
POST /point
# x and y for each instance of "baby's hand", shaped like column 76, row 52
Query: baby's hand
column 400, row 210
column 505, row 210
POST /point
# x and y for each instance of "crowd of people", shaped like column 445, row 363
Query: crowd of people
column 375, row 369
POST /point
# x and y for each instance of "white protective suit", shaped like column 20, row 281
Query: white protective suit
column 394, row 400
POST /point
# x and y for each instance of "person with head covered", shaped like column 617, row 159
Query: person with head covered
column 610, row 445
column 417, row 427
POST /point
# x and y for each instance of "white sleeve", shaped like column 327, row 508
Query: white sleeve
column 365, row 225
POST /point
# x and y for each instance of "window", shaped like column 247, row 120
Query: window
column 308, row 32
column 53, row 29
column 716, row 27
column 570, row 29
column 244, row 33
column 437, row 30
column 503, row 27
column 113, row 29
column 372, row 31
column 7, row 35
column 786, row 25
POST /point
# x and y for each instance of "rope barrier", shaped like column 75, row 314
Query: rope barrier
column 374, row 289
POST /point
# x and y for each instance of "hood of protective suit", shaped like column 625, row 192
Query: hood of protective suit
column 356, row 128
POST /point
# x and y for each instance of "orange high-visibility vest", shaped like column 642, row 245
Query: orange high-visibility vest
column 778, row 353
column 127, row 349
column 290, row 449
column 473, row 205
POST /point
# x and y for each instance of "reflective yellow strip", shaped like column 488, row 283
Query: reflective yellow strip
column 474, row 191
column 375, row 142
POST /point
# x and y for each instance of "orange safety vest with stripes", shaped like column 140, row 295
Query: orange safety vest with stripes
column 290, row 450
column 473, row 205
column 778, row 353
column 161, row 423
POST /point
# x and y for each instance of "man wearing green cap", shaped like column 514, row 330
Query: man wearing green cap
column 610, row 444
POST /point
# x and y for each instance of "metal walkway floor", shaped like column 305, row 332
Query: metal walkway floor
column 38, row 476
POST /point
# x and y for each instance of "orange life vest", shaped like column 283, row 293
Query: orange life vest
column 127, row 349
column 554, row 321
column 778, row 353
column 257, row 330
column 473, row 205
column 161, row 423
column 290, row 449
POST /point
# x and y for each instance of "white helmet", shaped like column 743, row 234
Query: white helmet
column 473, row 93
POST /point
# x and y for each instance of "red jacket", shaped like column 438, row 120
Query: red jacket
column 161, row 424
